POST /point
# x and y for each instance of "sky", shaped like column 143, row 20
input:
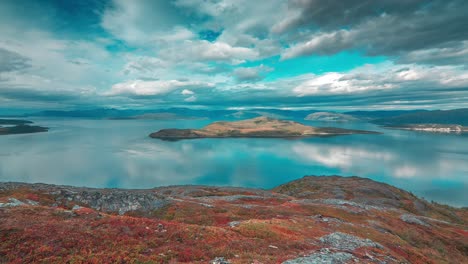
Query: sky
column 234, row 54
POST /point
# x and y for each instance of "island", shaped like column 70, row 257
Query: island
column 259, row 127
column 16, row 126
column 315, row 219
column 436, row 128
column 330, row 117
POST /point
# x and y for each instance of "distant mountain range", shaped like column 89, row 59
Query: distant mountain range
column 175, row 113
column 381, row 117
column 373, row 115
column 110, row 113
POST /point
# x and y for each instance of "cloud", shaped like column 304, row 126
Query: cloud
column 384, row 77
column 192, row 98
column 139, row 22
column 251, row 74
column 152, row 88
column 243, row 23
column 203, row 50
column 322, row 44
column 12, row 61
column 449, row 55
column 40, row 69
column 336, row 14
column 136, row 53
column 383, row 28
column 187, row 92
column 144, row 66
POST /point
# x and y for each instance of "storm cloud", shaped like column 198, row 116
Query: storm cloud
column 378, row 27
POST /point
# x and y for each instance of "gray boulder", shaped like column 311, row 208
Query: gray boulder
column 344, row 241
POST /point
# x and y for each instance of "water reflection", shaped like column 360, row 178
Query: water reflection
column 119, row 154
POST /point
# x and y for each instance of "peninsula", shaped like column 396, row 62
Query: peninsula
column 436, row 128
column 260, row 127
column 14, row 126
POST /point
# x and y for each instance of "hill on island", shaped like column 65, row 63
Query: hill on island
column 330, row 117
column 260, row 127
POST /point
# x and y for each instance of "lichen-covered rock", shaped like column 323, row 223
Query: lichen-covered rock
column 76, row 207
column 234, row 223
column 353, row 204
column 13, row 202
column 412, row 219
column 344, row 241
column 115, row 201
column 323, row 257
column 220, row 260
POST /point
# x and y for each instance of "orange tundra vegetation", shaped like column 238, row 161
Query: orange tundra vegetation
column 316, row 218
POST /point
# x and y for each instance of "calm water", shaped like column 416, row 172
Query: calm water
column 118, row 153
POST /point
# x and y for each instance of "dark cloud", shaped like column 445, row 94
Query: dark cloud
column 37, row 95
column 76, row 19
column 391, row 28
column 456, row 53
column 251, row 74
column 333, row 14
column 12, row 61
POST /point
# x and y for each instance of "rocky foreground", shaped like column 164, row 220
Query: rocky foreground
column 259, row 127
column 327, row 219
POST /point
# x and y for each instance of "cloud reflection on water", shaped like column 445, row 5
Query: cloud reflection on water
column 96, row 154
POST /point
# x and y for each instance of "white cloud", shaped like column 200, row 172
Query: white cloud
column 178, row 33
column 243, row 23
column 202, row 50
column 384, row 76
column 187, row 92
column 58, row 69
column 152, row 88
column 321, row 43
column 144, row 66
column 338, row 83
column 139, row 22
column 192, row 98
